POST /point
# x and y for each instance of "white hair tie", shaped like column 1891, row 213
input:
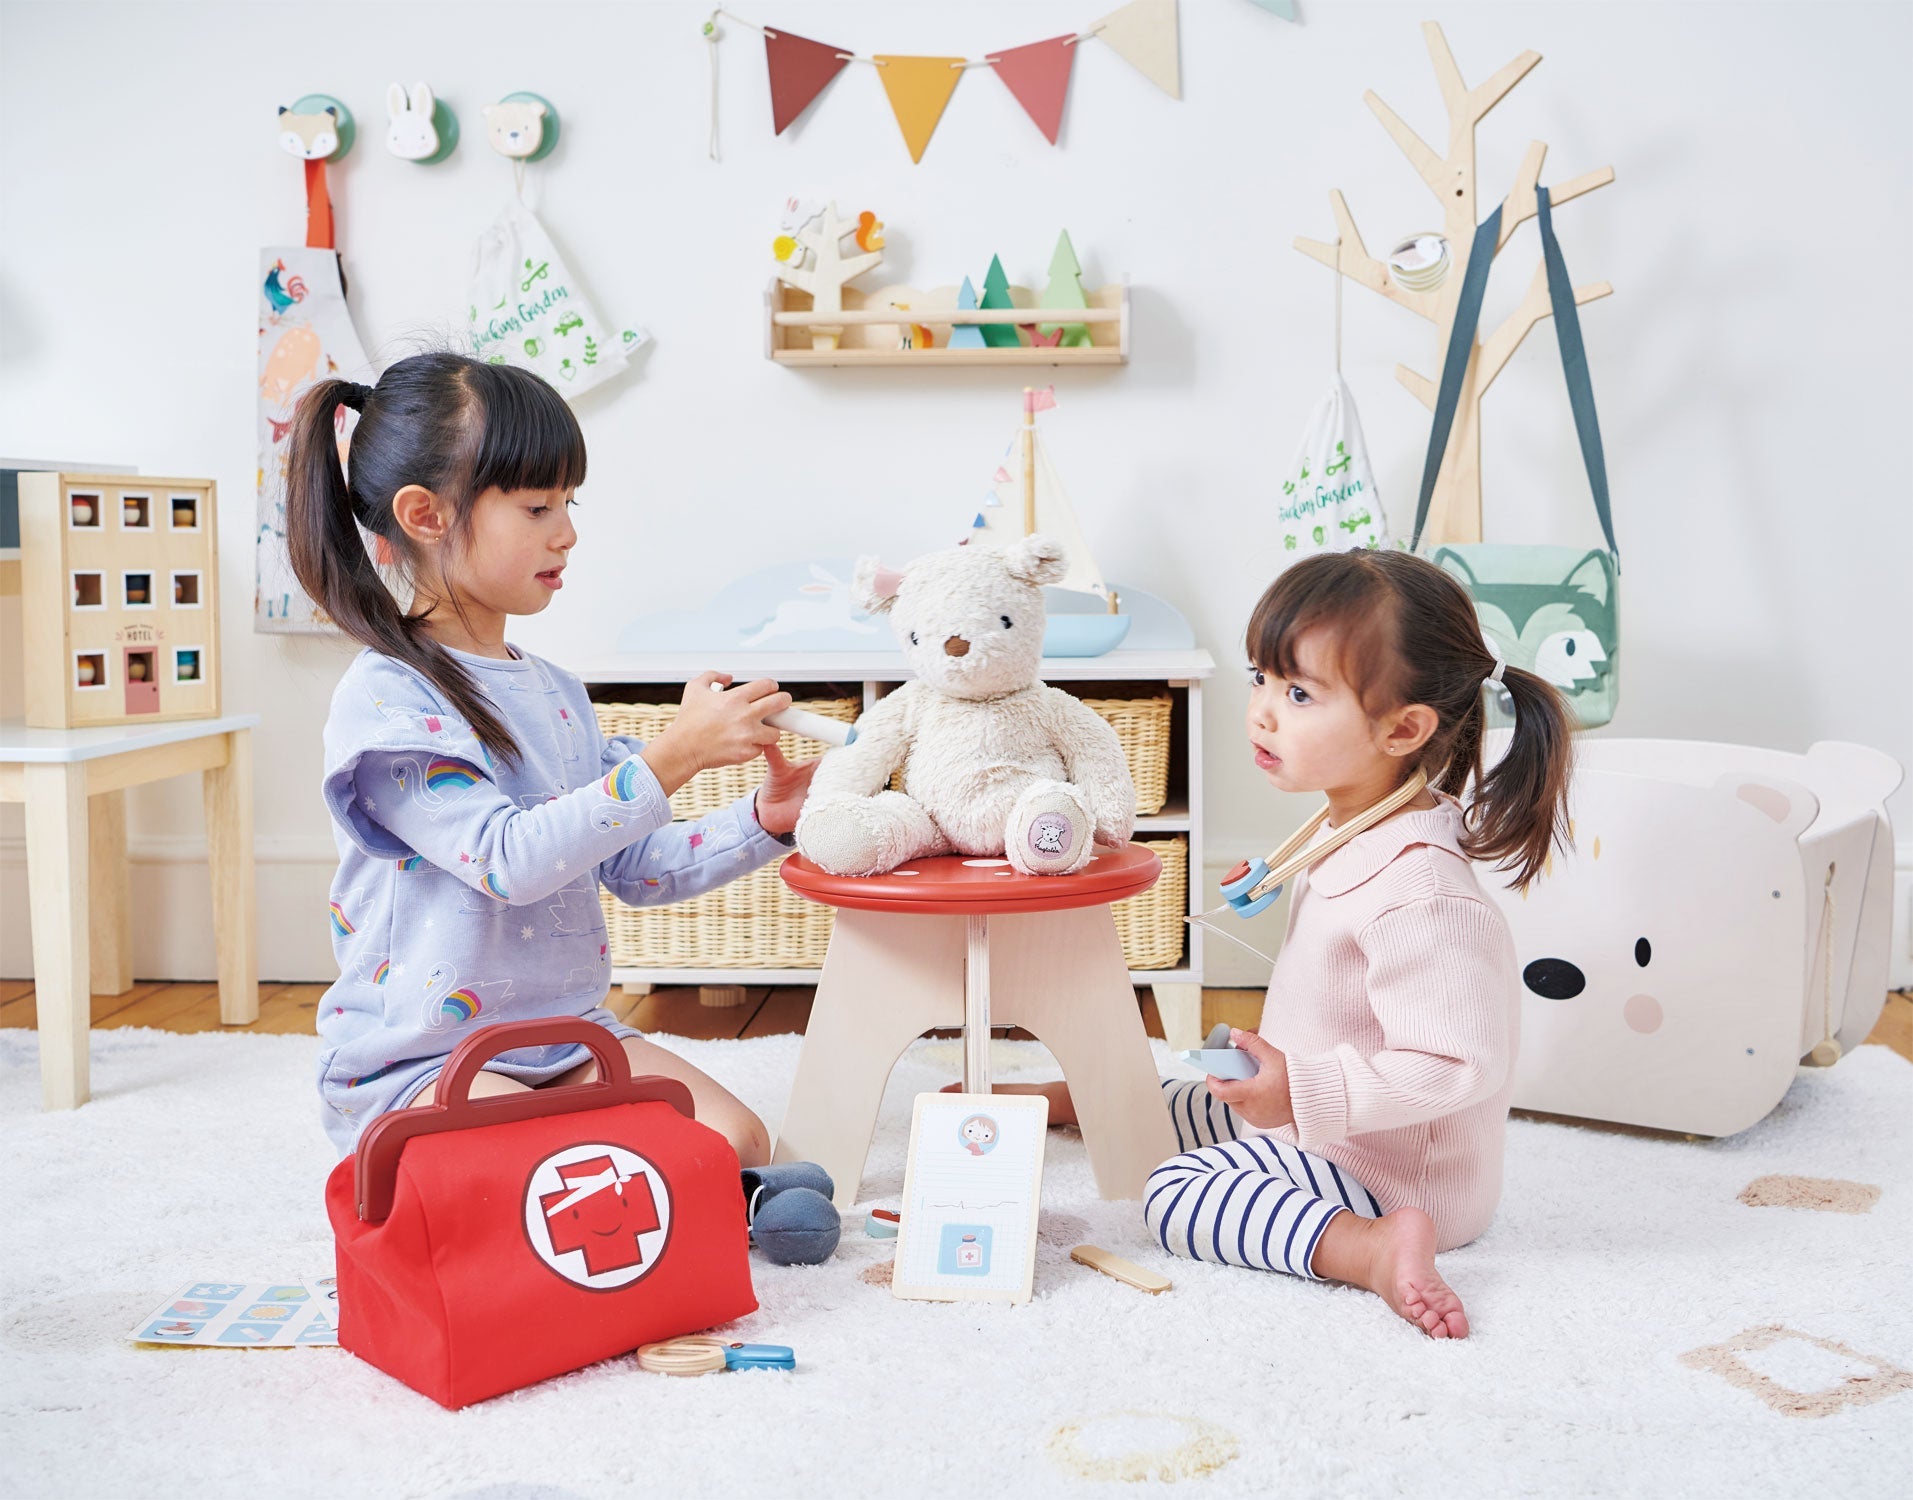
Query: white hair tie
column 1500, row 665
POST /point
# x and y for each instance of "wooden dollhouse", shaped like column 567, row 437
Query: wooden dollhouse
column 119, row 595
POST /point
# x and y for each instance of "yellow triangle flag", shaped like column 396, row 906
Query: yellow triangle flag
column 919, row 88
column 1144, row 36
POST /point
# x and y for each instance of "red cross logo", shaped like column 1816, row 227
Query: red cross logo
column 600, row 1211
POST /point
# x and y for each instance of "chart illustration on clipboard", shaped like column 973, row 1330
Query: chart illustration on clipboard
column 971, row 1193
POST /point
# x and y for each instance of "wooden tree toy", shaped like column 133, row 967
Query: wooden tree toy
column 828, row 270
column 996, row 298
column 1065, row 289
column 120, row 599
column 1455, row 513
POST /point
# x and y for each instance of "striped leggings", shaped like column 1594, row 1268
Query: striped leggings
column 1239, row 1198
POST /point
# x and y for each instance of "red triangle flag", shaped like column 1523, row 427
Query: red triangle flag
column 1039, row 77
column 799, row 69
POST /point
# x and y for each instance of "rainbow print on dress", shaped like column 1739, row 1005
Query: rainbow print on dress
column 341, row 924
column 492, row 886
column 411, row 861
column 623, row 783
column 460, row 1006
column 382, row 972
column 449, row 775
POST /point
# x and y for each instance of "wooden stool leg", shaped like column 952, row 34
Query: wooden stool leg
column 228, row 797
column 1179, row 1007
column 59, row 901
column 112, row 912
column 1062, row 975
column 887, row 979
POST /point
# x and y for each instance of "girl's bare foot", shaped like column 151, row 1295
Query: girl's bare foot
column 1394, row 1257
column 1062, row 1109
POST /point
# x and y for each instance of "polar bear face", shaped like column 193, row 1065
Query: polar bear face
column 969, row 620
column 1660, row 959
column 517, row 127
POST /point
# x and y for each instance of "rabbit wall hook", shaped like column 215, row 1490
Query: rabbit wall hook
column 420, row 128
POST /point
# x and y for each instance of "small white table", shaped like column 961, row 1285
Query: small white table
column 73, row 782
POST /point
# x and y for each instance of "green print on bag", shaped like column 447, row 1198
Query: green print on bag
column 1551, row 611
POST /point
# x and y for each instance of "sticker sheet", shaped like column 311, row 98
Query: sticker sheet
column 243, row 1315
column 970, row 1198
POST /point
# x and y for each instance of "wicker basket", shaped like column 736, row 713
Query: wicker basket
column 1150, row 925
column 1142, row 728
column 708, row 791
column 756, row 922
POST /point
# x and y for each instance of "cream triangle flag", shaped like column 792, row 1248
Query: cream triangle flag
column 1143, row 33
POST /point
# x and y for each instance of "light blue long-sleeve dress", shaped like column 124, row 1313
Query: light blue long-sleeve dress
column 467, row 890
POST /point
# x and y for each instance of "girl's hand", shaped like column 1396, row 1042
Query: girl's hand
column 1263, row 1100
column 781, row 798
column 715, row 729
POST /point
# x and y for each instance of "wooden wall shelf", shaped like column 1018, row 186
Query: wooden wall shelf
column 876, row 328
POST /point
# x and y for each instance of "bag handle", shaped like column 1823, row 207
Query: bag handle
column 1574, row 365
column 453, row 1108
column 1461, row 340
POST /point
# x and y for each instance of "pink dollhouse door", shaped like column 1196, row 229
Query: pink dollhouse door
column 142, row 694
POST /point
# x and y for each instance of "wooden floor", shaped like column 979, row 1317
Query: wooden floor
column 765, row 1012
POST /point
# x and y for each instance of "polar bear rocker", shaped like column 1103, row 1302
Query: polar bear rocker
column 994, row 762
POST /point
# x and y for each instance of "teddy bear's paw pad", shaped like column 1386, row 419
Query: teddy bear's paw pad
column 1049, row 834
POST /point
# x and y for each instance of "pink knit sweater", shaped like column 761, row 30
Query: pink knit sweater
column 1396, row 999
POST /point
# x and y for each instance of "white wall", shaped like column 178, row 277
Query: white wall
column 1751, row 368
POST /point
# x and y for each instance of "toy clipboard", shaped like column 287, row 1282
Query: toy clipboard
column 971, row 1193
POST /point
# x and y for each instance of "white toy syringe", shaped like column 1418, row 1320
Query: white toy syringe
column 833, row 732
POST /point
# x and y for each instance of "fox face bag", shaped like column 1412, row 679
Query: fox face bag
column 1549, row 610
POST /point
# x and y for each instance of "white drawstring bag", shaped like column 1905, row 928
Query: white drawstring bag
column 1328, row 501
column 526, row 309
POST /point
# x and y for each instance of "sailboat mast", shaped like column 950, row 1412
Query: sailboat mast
column 1029, row 460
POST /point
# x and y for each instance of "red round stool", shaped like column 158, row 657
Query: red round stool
column 956, row 941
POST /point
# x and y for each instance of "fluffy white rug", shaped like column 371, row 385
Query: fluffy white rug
column 1613, row 1257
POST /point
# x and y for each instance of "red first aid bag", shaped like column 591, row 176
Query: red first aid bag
column 484, row 1244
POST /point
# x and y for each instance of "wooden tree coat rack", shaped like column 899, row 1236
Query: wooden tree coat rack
column 1455, row 514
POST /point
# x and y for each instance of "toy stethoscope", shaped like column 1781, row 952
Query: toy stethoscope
column 1253, row 885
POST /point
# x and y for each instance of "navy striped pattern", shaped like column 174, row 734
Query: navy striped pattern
column 1242, row 1199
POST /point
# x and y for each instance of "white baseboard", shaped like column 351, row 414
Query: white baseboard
column 172, row 910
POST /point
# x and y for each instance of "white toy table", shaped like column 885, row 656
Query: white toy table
column 73, row 782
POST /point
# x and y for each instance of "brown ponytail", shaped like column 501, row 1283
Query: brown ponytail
column 1406, row 632
column 455, row 426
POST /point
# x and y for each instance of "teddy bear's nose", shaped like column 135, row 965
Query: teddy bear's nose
column 956, row 646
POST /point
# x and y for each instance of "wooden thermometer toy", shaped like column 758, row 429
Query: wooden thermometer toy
column 833, row 732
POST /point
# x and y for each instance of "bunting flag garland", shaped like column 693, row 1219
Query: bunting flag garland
column 918, row 87
column 1039, row 77
column 800, row 70
column 1142, row 33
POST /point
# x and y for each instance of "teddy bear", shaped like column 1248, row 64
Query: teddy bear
column 993, row 762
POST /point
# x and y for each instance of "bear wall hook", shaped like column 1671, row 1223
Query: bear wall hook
column 522, row 126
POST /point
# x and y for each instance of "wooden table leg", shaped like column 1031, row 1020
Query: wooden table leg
column 1179, row 1007
column 228, row 796
column 112, row 935
column 58, row 899
column 976, row 1005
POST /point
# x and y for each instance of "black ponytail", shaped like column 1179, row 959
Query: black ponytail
column 1520, row 806
column 451, row 424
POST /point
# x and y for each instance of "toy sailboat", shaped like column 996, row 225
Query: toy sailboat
column 1029, row 497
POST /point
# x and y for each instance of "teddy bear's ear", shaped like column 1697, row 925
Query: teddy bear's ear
column 1036, row 559
column 874, row 586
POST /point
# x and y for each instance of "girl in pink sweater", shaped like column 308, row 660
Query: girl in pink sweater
column 1372, row 1135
